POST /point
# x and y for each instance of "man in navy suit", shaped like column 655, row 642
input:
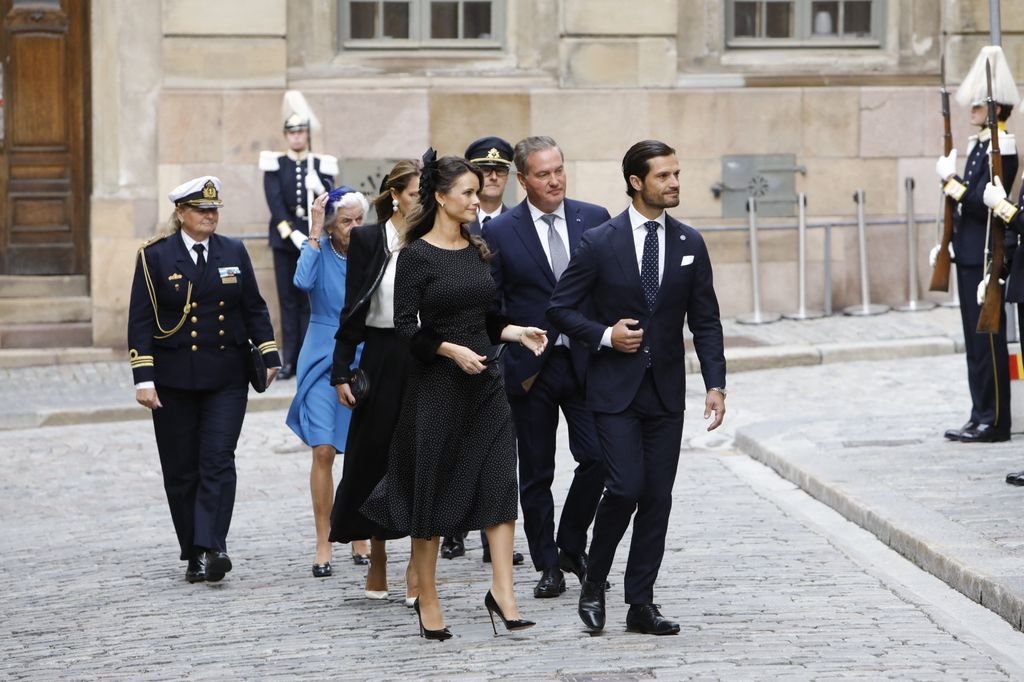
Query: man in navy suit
column 532, row 244
column 644, row 274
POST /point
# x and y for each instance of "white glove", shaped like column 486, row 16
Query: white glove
column 314, row 185
column 994, row 193
column 297, row 238
column 933, row 255
column 945, row 167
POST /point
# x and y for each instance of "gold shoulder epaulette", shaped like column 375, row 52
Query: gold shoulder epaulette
column 155, row 238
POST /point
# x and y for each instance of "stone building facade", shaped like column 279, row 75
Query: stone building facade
column 188, row 87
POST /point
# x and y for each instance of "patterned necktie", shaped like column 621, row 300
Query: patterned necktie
column 649, row 264
column 559, row 257
column 200, row 258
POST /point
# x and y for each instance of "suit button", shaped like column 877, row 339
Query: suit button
column 222, row 347
column 195, row 348
column 194, row 319
column 194, row 333
column 221, row 304
column 646, row 349
column 220, row 318
column 220, row 333
column 195, row 304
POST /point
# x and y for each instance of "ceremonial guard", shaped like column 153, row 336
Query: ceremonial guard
column 195, row 306
column 987, row 359
column 291, row 180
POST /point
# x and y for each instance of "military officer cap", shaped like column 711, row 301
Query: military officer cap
column 489, row 151
column 201, row 192
column 974, row 89
column 296, row 112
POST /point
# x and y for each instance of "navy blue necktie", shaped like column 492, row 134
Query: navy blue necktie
column 200, row 258
column 649, row 264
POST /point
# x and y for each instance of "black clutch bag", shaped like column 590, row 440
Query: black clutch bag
column 359, row 384
column 257, row 368
column 494, row 354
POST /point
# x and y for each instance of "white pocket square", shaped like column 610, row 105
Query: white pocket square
column 687, row 260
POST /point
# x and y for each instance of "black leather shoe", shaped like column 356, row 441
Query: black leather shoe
column 453, row 547
column 591, row 608
column 517, row 557
column 286, row 372
column 985, row 433
column 1016, row 478
column 323, row 570
column 647, row 619
column 954, row 434
column 551, row 584
column 217, row 564
column 196, row 571
column 573, row 563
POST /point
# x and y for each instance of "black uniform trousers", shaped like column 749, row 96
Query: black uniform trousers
column 294, row 305
column 988, row 363
column 641, row 453
column 196, row 435
column 535, row 416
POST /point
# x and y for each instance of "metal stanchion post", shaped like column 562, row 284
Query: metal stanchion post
column 912, row 304
column 827, row 288
column 865, row 307
column 758, row 316
column 802, row 313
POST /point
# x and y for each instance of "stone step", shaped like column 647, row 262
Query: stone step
column 37, row 357
column 49, row 286
column 52, row 335
column 45, row 309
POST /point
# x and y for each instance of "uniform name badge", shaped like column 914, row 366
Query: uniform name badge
column 229, row 275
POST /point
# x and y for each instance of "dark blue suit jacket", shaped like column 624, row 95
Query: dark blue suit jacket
column 604, row 268
column 525, row 282
column 225, row 311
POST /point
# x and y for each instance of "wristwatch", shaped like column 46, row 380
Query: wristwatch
column 720, row 390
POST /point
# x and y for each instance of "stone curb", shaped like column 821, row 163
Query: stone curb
column 967, row 563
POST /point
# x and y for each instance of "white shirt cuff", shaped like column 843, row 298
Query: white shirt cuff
column 297, row 238
column 606, row 338
column 144, row 384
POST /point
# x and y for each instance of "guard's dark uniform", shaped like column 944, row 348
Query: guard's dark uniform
column 189, row 333
column 284, row 183
column 987, row 359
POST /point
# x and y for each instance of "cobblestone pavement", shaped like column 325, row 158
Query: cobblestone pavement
column 90, row 585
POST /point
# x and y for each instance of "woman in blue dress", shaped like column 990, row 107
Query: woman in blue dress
column 315, row 415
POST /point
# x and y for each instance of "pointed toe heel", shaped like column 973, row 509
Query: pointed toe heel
column 511, row 625
column 438, row 635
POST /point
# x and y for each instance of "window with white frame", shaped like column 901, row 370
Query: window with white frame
column 419, row 24
column 804, row 23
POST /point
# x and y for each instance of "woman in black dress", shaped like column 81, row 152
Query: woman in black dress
column 368, row 318
column 452, row 465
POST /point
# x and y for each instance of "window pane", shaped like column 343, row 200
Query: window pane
column 745, row 19
column 444, row 20
column 857, row 18
column 779, row 20
column 362, row 19
column 824, row 18
column 476, row 20
column 396, row 20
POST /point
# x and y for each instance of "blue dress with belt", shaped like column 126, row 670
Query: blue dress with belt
column 315, row 414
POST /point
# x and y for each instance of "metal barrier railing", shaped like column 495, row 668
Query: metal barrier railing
column 913, row 291
column 758, row 316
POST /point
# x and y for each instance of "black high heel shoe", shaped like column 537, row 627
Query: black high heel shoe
column 511, row 625
column 439, row 635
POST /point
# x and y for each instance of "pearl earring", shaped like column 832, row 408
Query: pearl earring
column 442, row 204
column 394, row 204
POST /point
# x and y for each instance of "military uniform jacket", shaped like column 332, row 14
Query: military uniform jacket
column 212, row 316
column 972, row 215
column 284, row 183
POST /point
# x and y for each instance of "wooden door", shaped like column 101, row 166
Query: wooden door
column 44, row 148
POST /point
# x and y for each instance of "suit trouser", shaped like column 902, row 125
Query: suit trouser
column 536, row 420
column 196, row 435
column 988, row 362
column 641, row 450
column 294, row 303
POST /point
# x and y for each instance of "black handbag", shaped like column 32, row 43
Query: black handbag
column 256, row 368
column 359, row 384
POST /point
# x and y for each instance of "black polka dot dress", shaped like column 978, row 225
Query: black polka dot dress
column 452, row 464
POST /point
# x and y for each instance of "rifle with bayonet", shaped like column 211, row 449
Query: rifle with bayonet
column 992, row 298
column 940, row 273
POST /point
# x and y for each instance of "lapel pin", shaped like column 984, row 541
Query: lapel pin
column 682, row 237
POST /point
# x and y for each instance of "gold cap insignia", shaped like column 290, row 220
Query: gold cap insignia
column 493, row 154
column 209, row 190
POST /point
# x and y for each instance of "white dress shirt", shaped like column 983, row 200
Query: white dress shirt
column 381, row 313
column 637, row 221
column 562, row 230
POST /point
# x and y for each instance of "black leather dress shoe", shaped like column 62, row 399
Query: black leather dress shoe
column 286, row 372
column 954, row 434
column 591, row 608
column 573, row 563
column 647, row 619
column 217, row 564
column 985, row 433
column 1015, row 478
column 551, row 584
column 517, row 557
column 453, row 547
column 196, row 571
